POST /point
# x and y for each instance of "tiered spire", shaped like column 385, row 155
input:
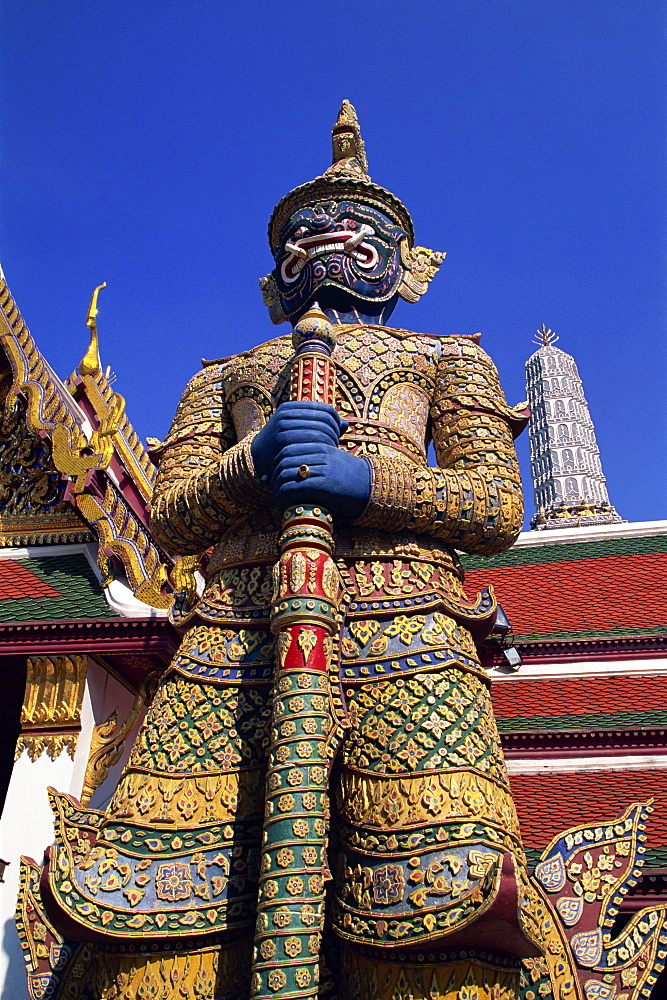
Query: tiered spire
column 348, row 148
column 570, row 489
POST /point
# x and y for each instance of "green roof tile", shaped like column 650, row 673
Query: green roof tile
column 584, row 721
column 81, row 595
column 587, row 634
column 530, row 555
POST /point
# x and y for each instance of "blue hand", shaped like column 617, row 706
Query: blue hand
column 298, row 422
column 337, row 480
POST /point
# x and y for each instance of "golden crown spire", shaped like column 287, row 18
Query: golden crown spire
column 345, row 180
column 349, row 151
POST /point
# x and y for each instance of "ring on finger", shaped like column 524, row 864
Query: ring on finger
column 304, row 471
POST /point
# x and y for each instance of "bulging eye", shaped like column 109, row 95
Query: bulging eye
column 301, row 231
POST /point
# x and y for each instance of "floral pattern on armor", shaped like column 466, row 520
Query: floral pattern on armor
column 425, row 722
column 420, row 777
column 210, row 652
column 464, row 975
column 407, row 641
column 368, row 352
column 206, row 484
column 194, row 727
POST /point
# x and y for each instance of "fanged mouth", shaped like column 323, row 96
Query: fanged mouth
column 300, row 251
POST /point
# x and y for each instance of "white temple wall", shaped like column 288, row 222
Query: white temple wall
column 26, row 827
column 107, row 695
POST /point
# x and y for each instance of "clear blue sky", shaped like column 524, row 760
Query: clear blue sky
column 145, row 143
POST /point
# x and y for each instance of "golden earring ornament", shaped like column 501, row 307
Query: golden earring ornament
column 421, row 266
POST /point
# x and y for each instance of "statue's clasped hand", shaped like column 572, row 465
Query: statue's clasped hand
column 305, row 435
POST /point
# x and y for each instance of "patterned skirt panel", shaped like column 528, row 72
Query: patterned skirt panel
column 422, row 808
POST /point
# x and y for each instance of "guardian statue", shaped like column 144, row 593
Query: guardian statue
column 317, row 803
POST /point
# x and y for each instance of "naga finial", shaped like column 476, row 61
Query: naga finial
column 545, row 337
column 90, row 363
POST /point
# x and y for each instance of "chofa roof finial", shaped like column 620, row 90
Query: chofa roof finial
column 90, row 363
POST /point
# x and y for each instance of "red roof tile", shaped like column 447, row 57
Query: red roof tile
column 626, row 591
column 17, row 582
column 550, row 803
column 578, row 696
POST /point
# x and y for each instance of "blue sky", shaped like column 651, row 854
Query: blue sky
column 145, row 143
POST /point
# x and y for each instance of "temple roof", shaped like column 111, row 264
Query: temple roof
column 78, row 471
column 50, row 588
column 583, row 589
column 583, row 721
column 589, row 703
column 550, row 802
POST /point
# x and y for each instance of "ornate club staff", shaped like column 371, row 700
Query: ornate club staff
column 305, row 618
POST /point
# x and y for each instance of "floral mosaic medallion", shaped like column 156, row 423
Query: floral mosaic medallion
column 173, row 882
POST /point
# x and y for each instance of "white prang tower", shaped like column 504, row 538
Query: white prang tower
column 570, row 489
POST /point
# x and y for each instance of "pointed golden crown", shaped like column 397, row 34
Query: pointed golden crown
column 347, row 178
column 348, row 149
